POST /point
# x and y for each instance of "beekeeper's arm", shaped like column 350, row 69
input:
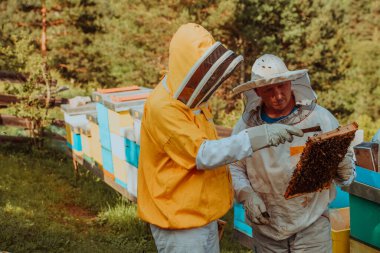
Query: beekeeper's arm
column 254, row 206
column 346, row 171
column 214, row 153
column 189, row 147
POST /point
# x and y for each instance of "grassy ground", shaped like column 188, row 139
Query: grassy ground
column 43, row 208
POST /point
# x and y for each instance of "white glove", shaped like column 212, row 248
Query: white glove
column 271, row 135
column 345, row 169
column 254, row 206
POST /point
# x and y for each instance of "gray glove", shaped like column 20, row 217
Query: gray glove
column 254, row 206
column 271, row 135
column 345, row 169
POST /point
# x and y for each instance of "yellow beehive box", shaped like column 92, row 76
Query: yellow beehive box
column 120, row 171
column 95, row 135
column 340, row 229
column 86, row 139
column 69, row 135
column 86, row 145
column 118, row 120
column 96, row 151
column 119, row 108
column 358, row 247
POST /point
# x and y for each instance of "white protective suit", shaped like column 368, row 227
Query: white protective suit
column 269, row 170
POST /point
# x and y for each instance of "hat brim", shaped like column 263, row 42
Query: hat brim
column 287, row 76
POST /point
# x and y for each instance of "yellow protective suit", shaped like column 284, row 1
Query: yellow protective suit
column 172, row 193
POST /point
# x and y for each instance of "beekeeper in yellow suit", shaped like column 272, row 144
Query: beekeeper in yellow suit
column 183, row 183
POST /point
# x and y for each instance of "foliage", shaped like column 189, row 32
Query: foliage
column 37, row 85
column 118, row 43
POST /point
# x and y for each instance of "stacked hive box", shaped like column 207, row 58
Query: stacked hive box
column 239, row 220
column 94, row 141
column 137, row 113
column 365, row 211
column 340, row 229
column 69, row 136
column 117, row 134
column 358, row 247
column 75, row 119
column 86, row 137
column 341, row 200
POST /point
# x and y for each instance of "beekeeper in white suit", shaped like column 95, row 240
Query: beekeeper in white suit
column 301, row 224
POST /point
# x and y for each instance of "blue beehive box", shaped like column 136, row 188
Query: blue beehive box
column 341, row 200
column 368, row 177
column 137, row 155
column 365, row 220
column 107, row 160
column 239, row 220
column 132, row 151
column 105, row 138
column 102, row 113
column 77, row 142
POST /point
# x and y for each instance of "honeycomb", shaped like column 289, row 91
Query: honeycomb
column 319, row 161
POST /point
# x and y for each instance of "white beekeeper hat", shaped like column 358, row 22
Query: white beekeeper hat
column 269, row 69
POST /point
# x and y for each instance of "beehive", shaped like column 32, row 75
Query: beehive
column 120, row 171
column 119, row 108
column 365, row 219
column 340, row 230
column 86, row 137
column 137, row 113
column 239, row 220
column 77, row 141
column 319, row 161
column 119, row 155
column 341, row 199
column 69, row 136
column 75, row 118
column 368, row 177
column 359, row 247
column 96, row 149
column 132, row 179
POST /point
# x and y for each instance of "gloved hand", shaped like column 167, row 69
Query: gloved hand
column 345, row 169
column 271, row 135
column 254, row 206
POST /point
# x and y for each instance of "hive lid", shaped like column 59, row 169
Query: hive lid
column 81, row 109
column 124, row 102
column 102, row 94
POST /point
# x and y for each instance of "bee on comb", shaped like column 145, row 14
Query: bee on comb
column 319, row 161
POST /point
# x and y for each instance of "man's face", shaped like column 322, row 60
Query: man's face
column 277, row 96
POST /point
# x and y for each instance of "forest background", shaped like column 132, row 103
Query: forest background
column 98, row 43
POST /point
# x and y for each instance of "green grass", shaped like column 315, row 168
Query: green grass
column 44, row 209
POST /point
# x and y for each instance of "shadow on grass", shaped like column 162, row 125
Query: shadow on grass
column 44, row 209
